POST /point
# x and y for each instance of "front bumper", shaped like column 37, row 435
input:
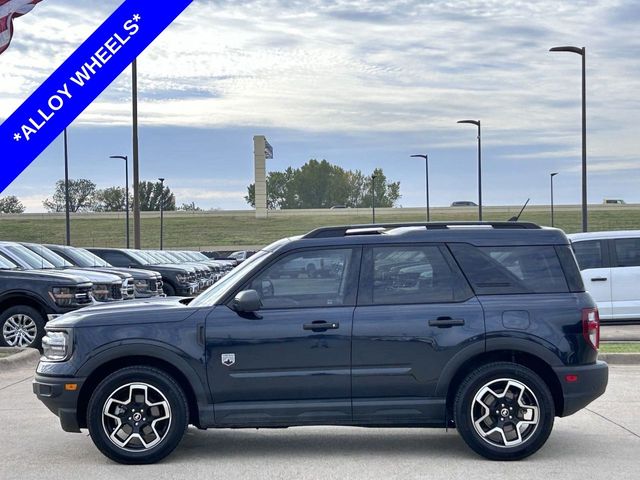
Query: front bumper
column 591, row 382
column 52, row 392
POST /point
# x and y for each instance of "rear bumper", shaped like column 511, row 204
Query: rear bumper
column 590, row 384
column 63, row 403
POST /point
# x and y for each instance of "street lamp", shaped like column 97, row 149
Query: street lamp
column 426, row 178
column 373, row 197
column 161, row 210
column 126, row 189
column 477, row 124
column 582, row 52
column 552, row 175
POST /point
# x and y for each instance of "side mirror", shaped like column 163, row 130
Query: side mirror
column 247, row 301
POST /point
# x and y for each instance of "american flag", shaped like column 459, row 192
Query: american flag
column 10, row 9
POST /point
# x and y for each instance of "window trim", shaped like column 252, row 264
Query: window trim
column 355, row 250
column 605, row 251
column 365, row 294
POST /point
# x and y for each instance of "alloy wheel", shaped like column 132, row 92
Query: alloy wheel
column 19, row 330
column 505, row 413
column 136, row 417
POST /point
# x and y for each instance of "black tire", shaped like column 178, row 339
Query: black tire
column 497, row 445
column 170, row 431
column 31, row 327
column 168, row 289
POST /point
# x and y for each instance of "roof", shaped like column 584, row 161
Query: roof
column 576, row 237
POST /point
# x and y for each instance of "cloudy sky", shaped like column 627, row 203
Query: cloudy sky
column 361, row 83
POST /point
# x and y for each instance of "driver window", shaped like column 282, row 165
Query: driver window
column 310, row 278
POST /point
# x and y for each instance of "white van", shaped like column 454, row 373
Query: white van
column 610, row 266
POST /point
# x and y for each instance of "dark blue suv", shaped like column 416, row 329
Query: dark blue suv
column 484, row 327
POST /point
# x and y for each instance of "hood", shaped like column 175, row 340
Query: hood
column 94, row 276
column 136, row 273
column 152, row 310
column 173, row 267
column 53, row 276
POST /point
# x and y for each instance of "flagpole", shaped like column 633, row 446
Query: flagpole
column 136, row 176
column 66, row 190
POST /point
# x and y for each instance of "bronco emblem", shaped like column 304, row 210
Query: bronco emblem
column 228, row 359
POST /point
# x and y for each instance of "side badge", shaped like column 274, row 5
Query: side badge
column 228, row 359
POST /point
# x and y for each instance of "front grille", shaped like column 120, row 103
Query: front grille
column 83, row 295
column 116, row 291
column 129, row 288
column 159, row 285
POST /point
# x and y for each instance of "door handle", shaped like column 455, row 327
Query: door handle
column 599, row 279
column 318, row 325
column 446, row 322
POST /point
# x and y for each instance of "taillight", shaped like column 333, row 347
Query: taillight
column 591, row 326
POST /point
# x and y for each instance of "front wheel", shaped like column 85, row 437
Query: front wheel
column 21, row 327
column 504, row 411
column 137, row 415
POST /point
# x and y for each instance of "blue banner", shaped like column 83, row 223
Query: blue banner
column 79, row 80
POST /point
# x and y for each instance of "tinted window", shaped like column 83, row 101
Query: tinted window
column 522, row 269
column 412, row 274
column 588, row 254
column 115, row 258
column 627, row 252
column 317, row 278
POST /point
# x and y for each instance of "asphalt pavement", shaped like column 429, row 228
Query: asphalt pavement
column 598, row 442
column 619, row 333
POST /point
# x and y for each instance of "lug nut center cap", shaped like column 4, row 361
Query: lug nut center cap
column 137, row 417
column 504, row 412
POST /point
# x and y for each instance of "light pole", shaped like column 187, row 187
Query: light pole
column 126, row 189
column 161, row 210
column 552, row 175
column 426, row 178
column 582, row 52
column 136, row 170
column 477, row 124
column 373, row 197
column 66, row 191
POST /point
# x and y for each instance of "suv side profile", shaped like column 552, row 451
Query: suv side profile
column 610, row 265
column 484, row 327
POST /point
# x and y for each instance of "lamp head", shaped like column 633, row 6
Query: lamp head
column 579, row 51
column 472, row 122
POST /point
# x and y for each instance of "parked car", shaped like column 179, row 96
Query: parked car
column 205, row 273
column 30, row 298
column 241, row 255
column 497, row 340
column 145, row 283
column 176, row 279
column 613, row 201
column 222, row 267
column 610, row 267
column 464, row 203
column 105, row 287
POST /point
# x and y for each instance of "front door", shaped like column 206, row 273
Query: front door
column 415, row 312
column 289, row 362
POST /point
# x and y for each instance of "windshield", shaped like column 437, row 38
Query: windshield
column 139, row 257
column 6, row 264
column 95, row 261
column 50, row 256
column 27, row 256
column 218, row 290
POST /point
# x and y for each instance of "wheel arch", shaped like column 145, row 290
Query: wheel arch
column 96, row 369
column 22, row 298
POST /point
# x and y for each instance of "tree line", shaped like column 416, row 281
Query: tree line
column 319, row 184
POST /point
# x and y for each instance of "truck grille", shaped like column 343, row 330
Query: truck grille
column 116, row 291
column 128, row 289
column 83, row 295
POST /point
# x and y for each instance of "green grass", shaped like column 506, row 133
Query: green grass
column 631, row 347
column 213, row 229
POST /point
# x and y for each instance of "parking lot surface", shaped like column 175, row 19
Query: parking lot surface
column 601, row 441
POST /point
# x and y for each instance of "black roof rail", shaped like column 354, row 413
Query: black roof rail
column 373, row 228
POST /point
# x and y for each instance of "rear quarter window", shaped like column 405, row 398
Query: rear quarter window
column 511, row 269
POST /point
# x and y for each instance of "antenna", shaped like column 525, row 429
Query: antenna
column 516, row 218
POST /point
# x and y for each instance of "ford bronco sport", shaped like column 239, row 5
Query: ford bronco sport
column 483, row 327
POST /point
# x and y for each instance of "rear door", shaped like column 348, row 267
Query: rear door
column 415, row 312
column 594, row 261
column 625, row 278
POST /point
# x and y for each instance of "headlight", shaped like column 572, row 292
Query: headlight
column 70, row 296
column 180, row 278
column 56, row 346
column 101, row 292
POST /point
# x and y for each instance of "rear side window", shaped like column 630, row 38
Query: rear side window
column 627, row 252
column 511, row 269
column 589, row 254
column 401, row 275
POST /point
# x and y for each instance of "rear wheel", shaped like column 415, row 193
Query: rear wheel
column 22, row 327
column 504, row 411
column 168, row 289
column 137, row 415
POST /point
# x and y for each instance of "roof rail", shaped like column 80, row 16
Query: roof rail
column 373, row 228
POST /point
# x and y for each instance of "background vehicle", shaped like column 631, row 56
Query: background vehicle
column 28, row 299
column 105, row 287
column 464, row 203
column 610, row 267
column 146, row 283
column 613, row 201
column 487, row 328
column 176, row 279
